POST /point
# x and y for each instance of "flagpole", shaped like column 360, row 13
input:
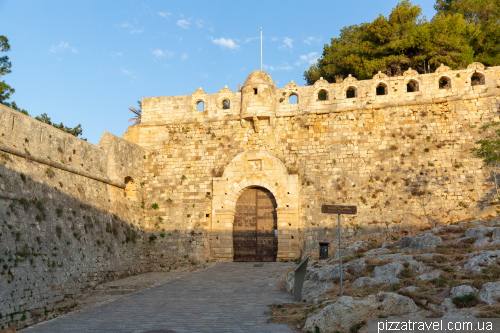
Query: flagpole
column 260, row 48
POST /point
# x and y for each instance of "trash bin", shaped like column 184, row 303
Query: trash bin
column 323, row 250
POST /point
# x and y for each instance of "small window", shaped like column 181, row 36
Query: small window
column 444, row 83
column 322, row 95
column 477, row 79
column 381, row 89
column 412, row 86
column 255, row 91
column 200, row 106
column 226, row 104
column 350, row 92
column 293, row 99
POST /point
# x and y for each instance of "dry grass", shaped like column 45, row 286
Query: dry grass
column 489, row 311
column 292, row 313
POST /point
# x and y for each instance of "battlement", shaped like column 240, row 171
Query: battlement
column 351, row 94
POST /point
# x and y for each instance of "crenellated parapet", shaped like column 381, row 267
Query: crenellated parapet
column 259, row 96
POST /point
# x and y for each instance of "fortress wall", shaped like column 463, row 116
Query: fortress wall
column 160, row 110
column 376, row 159
column 179, row 108
column 67, row 222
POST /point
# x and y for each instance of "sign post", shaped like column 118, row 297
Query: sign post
column 333, row 209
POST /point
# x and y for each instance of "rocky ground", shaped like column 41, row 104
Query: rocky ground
column 451, row 271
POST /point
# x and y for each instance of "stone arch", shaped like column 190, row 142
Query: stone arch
column 289, row 96
column 412, row 85
column 255, row 168
column 381, row 89
column 197, row 105
column 197, row 97
column 351, row 92
column 444, row 82
column 477, row 79
column 322, row 94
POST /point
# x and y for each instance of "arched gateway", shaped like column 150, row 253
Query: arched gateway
column 255, row 210
column 255, row 228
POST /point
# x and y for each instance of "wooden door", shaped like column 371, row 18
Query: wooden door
column 254, row 226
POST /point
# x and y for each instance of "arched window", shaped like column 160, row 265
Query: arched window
column 322, row 95
column 293, row 99
column 444, row 83
column 130, row 190
column 200, row 106
column 381, row 89
column 412, row 86
column 477, row 79
column 226, row 104
column 351, row 92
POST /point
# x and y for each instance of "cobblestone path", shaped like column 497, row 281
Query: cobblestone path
column 228, row 297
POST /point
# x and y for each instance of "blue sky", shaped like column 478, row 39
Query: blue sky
column 86, row 62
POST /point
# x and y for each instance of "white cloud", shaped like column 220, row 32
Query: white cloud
column 183, row 24
column 126, row 72
column 184, row 56
column 283, row 67
column 287, row 44
column 274, row 39
column 116, row 55
column 164, row 14
column 250, row 39
column 159, row 53
column 133, row 30
column 200, row 23
column 310, row 59
column 229, row 43
column 62, row 46
column 312, row 40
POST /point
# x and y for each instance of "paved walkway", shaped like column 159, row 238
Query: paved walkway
column 228, row 297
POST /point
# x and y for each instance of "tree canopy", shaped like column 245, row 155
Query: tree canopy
column 6, row 91
column 462, row 32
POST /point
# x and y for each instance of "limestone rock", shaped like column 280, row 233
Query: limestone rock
column 289, row 282
column 376, row 252
column 429, row 276
column 381, row 274
column 387, row 244
column 412, row 288
column 490, row 292
column 425, row 241
column 325, row 273
column 314, row 289
column 496, row 234
column 480, row 234
column 350, row 249
column 348, row 311
column 480, row 257
column 462, row 290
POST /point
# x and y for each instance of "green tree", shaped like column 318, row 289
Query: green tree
column 6, row 91
column 395, row 43
column 485, row 16
column 5, row 65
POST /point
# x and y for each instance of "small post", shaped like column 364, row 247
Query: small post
column 260, row 48
column 340, row 259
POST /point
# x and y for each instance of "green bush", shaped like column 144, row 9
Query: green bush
column 465, row 301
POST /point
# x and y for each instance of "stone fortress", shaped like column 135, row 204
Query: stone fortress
column 244, row 178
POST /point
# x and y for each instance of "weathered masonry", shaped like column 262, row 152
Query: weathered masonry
column 243, row 179
column 378, row 144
